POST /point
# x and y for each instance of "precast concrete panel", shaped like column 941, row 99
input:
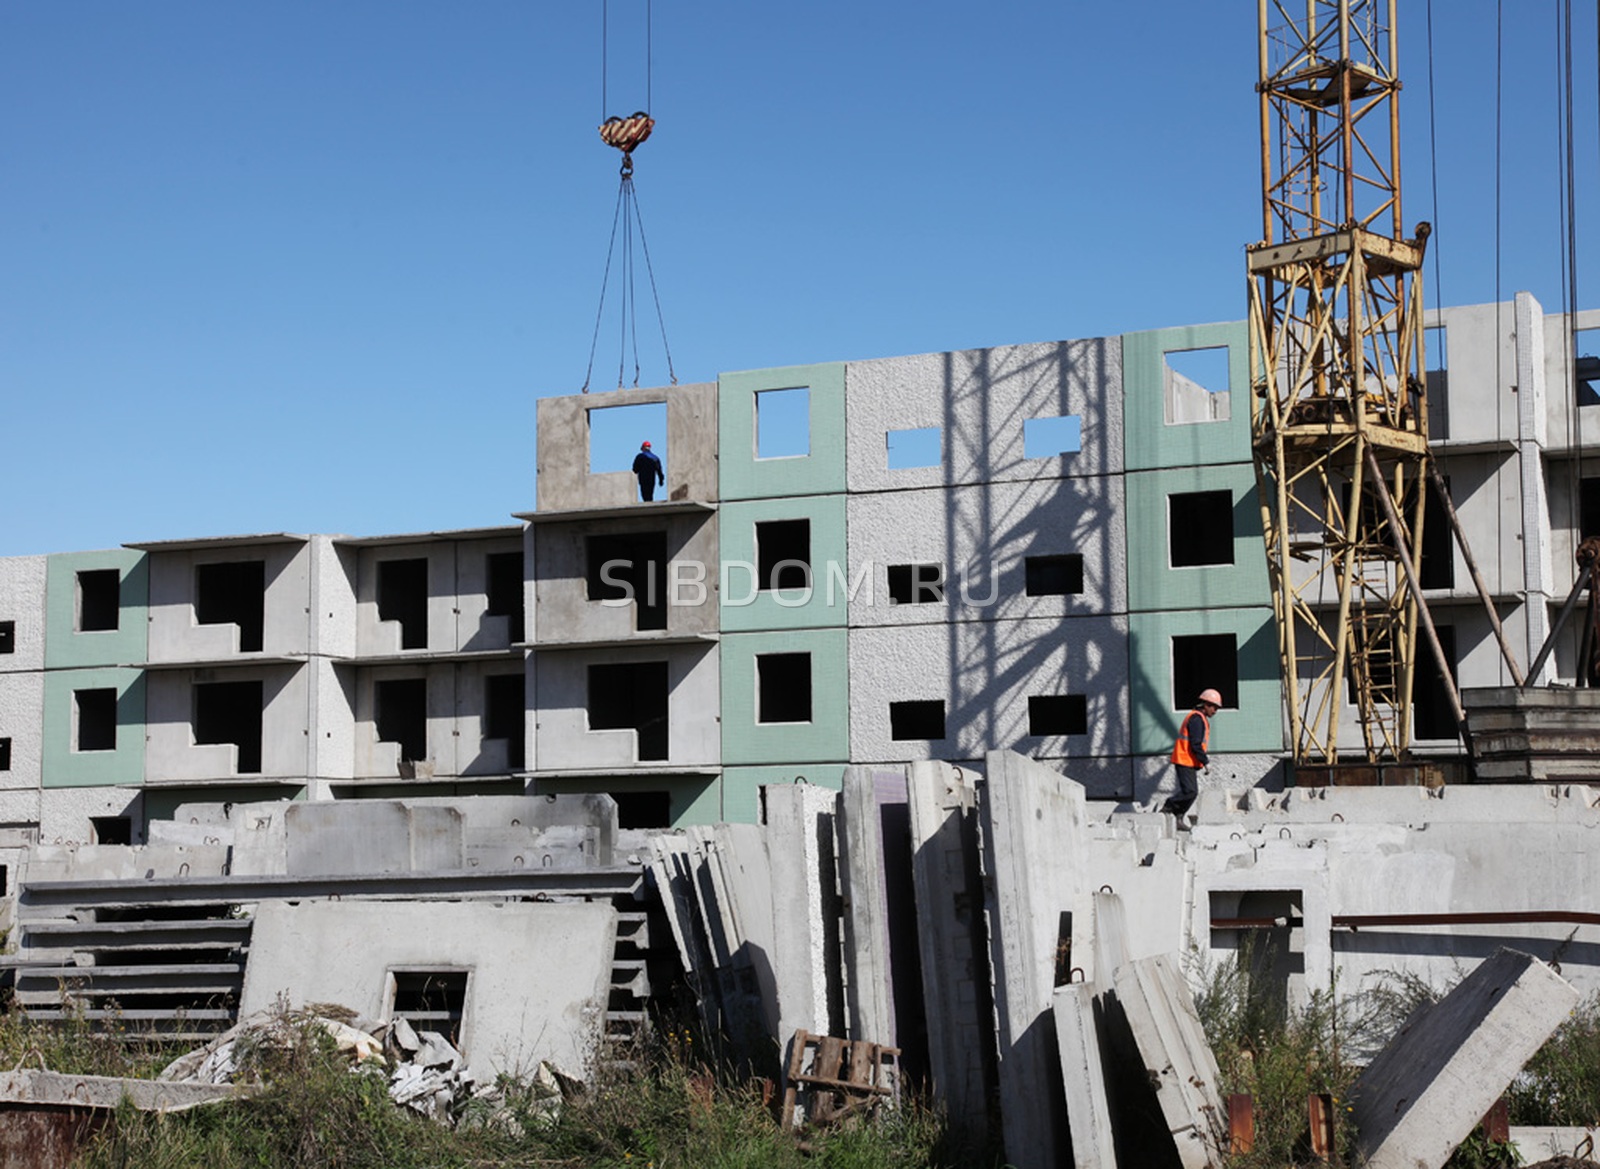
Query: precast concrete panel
column 981, row 401
column 66, row 814
column 1157, row 711
column 381, row 638
column 566, row 741
column 1555, row 366
column 1169, row 567
column 478, row 630
column 67, row 645
column 1487, row 496
column 332, row 730
column 171, row 752
column 22, row 602
column 476, row 752
column 985, row 673
column 376, row 758
column 1472, row 374
column 565, row 482
column 819, row 471
column 67, row 766
column 1157, row 435
column 990, row 546
column 824, row 737
column 334, row 572
column 176, row 634
column 687, row 585
column 745, row 605
column 740, row 796
column 21, row 725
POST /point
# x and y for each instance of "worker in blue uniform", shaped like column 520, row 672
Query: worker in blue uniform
column 647, row 466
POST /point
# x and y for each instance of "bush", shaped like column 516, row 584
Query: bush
column 1561, row 1084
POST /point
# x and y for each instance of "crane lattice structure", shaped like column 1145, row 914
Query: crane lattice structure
column 1338, row 407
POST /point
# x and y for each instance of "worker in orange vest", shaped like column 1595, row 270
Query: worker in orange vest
column 1189, row 753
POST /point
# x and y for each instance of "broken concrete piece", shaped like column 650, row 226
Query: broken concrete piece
column 36, row 1086
column 1431, row 1085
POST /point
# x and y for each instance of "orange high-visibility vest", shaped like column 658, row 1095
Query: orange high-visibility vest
column 1180, row 751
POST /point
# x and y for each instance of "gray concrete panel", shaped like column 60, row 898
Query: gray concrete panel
column 799, row 835
column 1088, row 1115
column 537, row 974
column 565, row 482
column 176, row 634
column 1435, row 1080
column 869, row 954
column 357, row 838
column 22, row 600
column 65, row 813
column 171, row 753
column 378, row 637
column 22, row 719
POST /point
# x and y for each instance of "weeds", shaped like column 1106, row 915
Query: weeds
column 1561, row 1084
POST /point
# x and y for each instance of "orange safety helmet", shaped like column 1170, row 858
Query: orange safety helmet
column 1210, row 696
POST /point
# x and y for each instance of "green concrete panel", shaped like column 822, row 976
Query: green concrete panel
column 819, row 472
column 828, row 603
column 1153, row 583
column 1150, row 440
column 64, row 765
column 826, row 738
column 694, row 799
column 741, row 786
column 1257, row 724
column 67, row 648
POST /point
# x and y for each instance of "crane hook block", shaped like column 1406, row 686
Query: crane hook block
column 627, row 134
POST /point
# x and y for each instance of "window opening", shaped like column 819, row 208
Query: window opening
column 1044, row 437
column 1053, row 576
column 783, row 423
column 400, row 713
column 1586, row 347
column 503, row 583
column 783, row 688
column 503, row 715
column 1436, row 377
column 1200, row 528
column 631, row 696
column 8, row 637
column 1438, row 542
column 430, row 1000
column 1195, row 385
column 1206, row 661
column 403, row 597
column 112, row 829
column 1058, row 714
column 1588, row 509
column 230, row 712
column 920, row 719
column 921, row 447
column 916, row 584
column 643, row 809
column 638, row 564
column 615, row 433
column 233, row 593
column 99, row 596
column 97, row 719
column 5, row 753
column 783, row 554
column 1431, row 716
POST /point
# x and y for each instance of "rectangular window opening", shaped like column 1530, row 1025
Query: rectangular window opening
column 230, row 712
column 96, row 712
column 783, row 688
column 1195, row 385
column 630, row 563
column 643, row 809
column 1586, row 347
column 1431, row 716
column 783, row 554
column 1206, row 661
column 233, row 593
column 8, row 637
column 1058, row 714
column 616, row 433
column 1588, row 509
column 921, row 447
column 919, row 719
column 783, row 423
column 631, row 696
column 99, row 597
column 5, row 753
column 1053, row 576
column 1045, row 437
column 503, row 584
column 1200, row 528
column 916, row 584
column 1438, row 542
column 112, row 829
column 400, row 714
column 430, row 1000
column 403, row 597
column 503, row 714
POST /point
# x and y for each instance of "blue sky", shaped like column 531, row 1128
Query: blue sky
column 306, row 266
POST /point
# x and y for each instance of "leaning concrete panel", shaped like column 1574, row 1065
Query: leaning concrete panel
column 1088, row 1114
column 805, row 909
column 878, row 941
column 1434, row 1081
column 1033, row 849
column 537, row 973
column 1160, row 1013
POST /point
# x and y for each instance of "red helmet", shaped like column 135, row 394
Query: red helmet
column 645, row 445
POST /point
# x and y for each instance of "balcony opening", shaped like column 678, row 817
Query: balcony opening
column 504, row 714
column 783, row 554
column 921, row 719
column 783, row 423
column 1058, row 714
column 503, row 584
column 99, row 598
column 1200, row 528
column 233, row 593
column 230, row 712
column 430, row 1000
column 400, row 714
column 783, row 688
column 631, row 696
column 916, row 584
column 1053, row 576
column 1206, row 661
column 643, row 809
column 96, row 714
column 631, row 564
column 403, row 597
